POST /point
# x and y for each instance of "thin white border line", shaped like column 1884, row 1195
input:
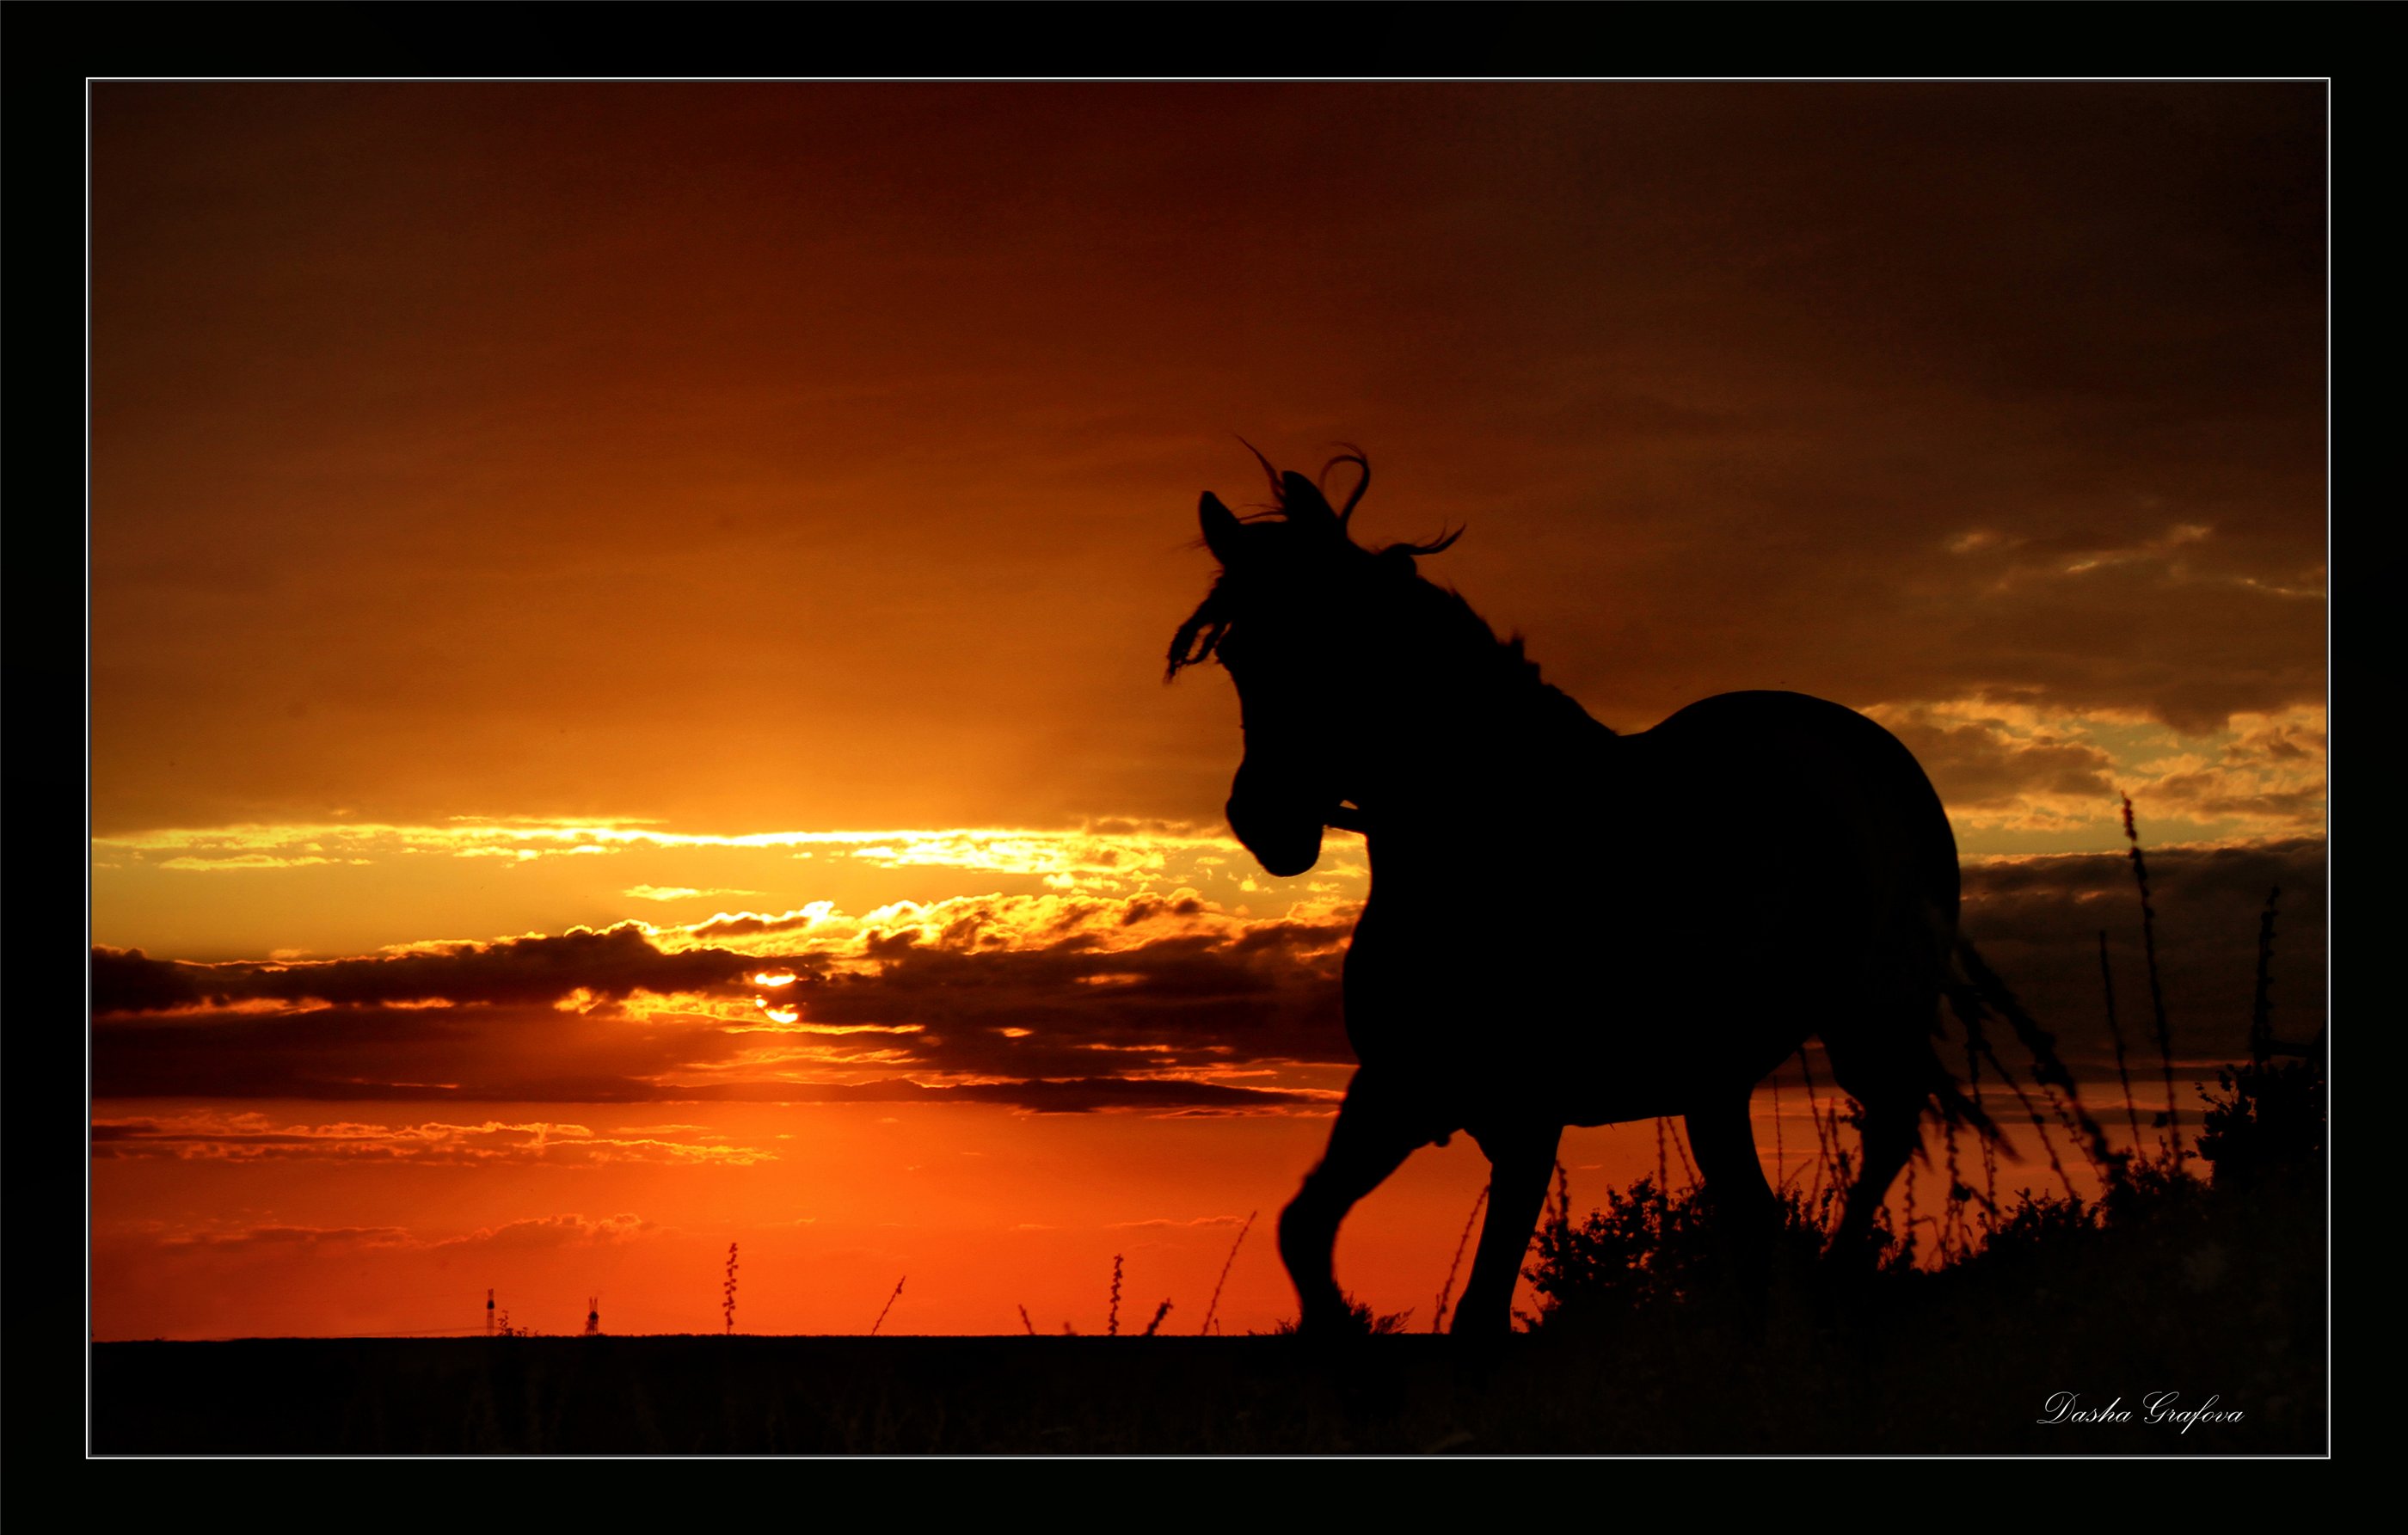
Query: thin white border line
column 1214, row 79
column 88, row 1032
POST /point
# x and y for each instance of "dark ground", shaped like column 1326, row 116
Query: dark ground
column 2216, row 1295
column 1921, row 1372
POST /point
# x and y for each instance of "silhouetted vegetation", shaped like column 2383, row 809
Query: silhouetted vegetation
column 727, row 1293
column 1647, row 1338
column 2267, row 1128
column 1364, row 1321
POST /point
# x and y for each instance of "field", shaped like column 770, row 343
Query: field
column 2216, row 1295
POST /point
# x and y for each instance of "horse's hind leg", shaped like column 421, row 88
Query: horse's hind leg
column 1373, row 1136
column 1724, row 1142
column 1890, row 1078
column 1519, row 1161
column 1893, row 1130
column 1746, row 1215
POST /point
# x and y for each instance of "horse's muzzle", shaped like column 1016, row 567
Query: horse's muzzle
column 1282, row 830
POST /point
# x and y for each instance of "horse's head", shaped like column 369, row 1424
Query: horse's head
column 1293, row 619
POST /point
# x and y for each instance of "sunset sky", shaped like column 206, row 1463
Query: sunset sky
column 627, row 626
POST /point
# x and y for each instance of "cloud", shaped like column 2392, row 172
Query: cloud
column 613, row 964
column 2003, row 765
column 2268, row 771
column 1046, row 1003
column 215, row 1136
column 1982, row 765
column 1114, row 850
column 480, row 1054
column 677, row 892
column 541, row 1232
column 1052, row 1003
column 1053, row 992
column 553, row 1232
column 1044, row 1095
column 283, row 1237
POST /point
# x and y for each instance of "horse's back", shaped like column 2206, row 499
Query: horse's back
column 1801, row 874
column 1823, row 794
column 1757, row 867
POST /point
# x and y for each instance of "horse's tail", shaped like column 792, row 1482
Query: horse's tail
column 1976, row 994
column 1957, row 1108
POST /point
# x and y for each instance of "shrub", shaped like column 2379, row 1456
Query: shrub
column 2268, row 1125
column 1376, row 1324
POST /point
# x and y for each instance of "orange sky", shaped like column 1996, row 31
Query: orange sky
column 757, row 512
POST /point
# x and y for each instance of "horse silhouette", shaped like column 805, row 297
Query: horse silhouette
column 1568, row 925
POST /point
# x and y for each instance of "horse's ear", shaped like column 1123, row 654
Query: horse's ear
column 1220, row 529
column 1304, row 503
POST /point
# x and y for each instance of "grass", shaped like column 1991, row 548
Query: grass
column 2210, row 1287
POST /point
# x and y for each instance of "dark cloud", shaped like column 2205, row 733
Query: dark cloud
column 513, row 1055
column 1069, row 1023
column 751, row 926
column 1054, row 1021
column 1085, row 1095
column 477, row 1054
column 607, row 964
column 1267, row 993
column 2038, row 920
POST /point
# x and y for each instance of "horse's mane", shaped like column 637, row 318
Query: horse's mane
column 1441, row 609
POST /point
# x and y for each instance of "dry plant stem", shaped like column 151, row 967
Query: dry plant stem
column 727, row 1292
column 2261, row 1005
column 1989, row 1155
column 1681, row 1148
column 1781, row 1179
column 1826, row 1154
column 2032, row 1111
column 1989, row 995
column 2156, row 987
column 2065, row 1119
column 1226, row 1265
column 1952, row 1209
column 888, row 1306
column 1446, row 1291
column 2115, row 1032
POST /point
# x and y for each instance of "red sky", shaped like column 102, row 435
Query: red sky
column 757, row 514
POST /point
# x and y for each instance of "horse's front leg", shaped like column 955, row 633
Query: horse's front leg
column 1519, row 1161
column 1373, row 1136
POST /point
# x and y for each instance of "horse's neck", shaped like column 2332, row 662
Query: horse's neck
column 1466, row 756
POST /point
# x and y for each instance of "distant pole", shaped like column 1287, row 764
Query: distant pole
column 489, row 1313
column 593, row 1317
